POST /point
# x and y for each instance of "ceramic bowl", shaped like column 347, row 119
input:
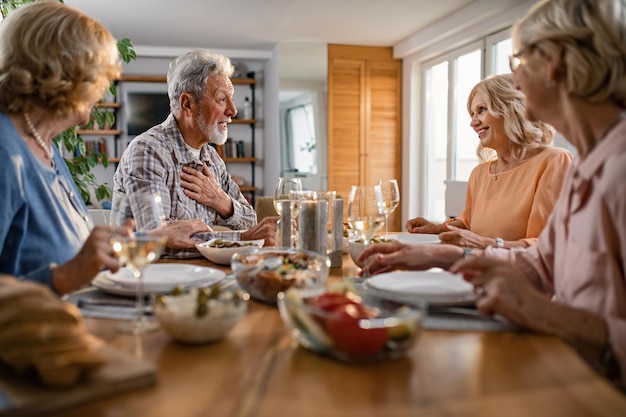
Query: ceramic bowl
column 265, row 272
column 200, row 315
column 352, row 331
column 219, row 251
column 356, row 246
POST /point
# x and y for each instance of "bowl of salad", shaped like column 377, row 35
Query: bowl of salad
column 345, row 326
column 265, row 272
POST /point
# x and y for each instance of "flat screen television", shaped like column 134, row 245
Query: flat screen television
column 144, row 110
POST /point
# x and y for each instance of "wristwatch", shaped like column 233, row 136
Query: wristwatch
column 499, row 242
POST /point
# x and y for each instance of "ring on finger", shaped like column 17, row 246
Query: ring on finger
column 479, row 291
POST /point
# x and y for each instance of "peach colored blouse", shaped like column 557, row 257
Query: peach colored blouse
column 581, row 254
column 515, row 204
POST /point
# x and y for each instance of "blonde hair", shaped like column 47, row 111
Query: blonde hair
column 591, row 33
column 56, row 57
column 505, row 102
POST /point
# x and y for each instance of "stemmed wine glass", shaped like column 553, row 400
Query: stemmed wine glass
column 288, row 189
column 391, row 199
column 142, row 214
column 364, row 210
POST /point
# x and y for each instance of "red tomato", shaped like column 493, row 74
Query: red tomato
column 330, row 301
column 343, row 328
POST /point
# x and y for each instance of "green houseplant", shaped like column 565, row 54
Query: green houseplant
column 81, row 161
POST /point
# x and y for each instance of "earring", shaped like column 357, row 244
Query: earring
column 550, row 84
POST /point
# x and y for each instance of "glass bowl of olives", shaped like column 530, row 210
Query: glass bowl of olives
column 200, row 315
column 220, row 251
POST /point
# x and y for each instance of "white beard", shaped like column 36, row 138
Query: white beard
column 215, row 136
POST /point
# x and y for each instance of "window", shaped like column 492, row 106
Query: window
column 449, row 141
column 301, row 142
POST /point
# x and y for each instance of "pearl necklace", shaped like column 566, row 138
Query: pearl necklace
column 47, row 149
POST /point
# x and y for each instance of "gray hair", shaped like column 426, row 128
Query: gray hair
column 190, row 72
column 591, row 33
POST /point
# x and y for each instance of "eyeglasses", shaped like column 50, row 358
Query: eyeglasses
column 515, row 60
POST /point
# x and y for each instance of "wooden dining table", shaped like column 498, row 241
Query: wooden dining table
column 259, row 371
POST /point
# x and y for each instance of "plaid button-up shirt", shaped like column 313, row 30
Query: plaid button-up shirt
column 154, row 160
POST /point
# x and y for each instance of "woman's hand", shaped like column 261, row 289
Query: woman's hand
column 421, row 225
column 502, row 290
column 462, row 237
column 265, row 229
column 95, row 255
column 389, row 256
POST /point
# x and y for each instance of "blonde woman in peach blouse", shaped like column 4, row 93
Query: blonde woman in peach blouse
column 511, row 194
column 569, row 63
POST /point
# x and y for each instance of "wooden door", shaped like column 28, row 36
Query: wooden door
column 364, row 118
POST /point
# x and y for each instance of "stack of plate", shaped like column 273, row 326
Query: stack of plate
column 432, row 287
column 158, row 278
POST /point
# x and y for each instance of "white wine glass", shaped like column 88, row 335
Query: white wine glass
column 142, row 214
column 288, row 189
column 285, row 190
column 364, row 211
column 391, row 199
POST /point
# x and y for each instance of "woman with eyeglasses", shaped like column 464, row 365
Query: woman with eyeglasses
column 571, row 66
column 511, row 194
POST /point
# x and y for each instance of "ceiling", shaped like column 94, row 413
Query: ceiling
column 300, row 28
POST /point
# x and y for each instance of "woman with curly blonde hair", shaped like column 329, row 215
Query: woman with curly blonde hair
column 511, row 194
column 55, row 64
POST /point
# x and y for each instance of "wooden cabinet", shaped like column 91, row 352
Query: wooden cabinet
column 364, row 119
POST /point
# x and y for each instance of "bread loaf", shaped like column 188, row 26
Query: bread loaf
column 41, row 334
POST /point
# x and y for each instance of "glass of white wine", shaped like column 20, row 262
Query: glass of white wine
column 285, row 190
column 391, row 199
column 365, row 210
column 142, row 214
column 288, row 189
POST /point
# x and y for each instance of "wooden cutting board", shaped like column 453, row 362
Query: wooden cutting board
column 122, row 372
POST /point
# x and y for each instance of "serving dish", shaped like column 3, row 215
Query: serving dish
column 220, row 251
column 344, row 326
column 265, row 272
column 356, row 246
column 200, row 315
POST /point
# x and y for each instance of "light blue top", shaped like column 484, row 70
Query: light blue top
column 43, row 219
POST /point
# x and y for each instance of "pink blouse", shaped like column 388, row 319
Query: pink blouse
column 581, row 254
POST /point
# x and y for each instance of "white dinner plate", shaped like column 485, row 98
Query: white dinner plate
column 424, row 238
column 435, row 287
column 159, row 278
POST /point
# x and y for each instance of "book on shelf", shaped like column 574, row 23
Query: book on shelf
column 240, row 149
column 92, row 146
column 219, row 149
column 234, row 148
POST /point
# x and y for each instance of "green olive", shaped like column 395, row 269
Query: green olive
column 202, row 310
column 160, row 300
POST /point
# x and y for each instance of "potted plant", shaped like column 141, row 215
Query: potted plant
column 80, row 160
